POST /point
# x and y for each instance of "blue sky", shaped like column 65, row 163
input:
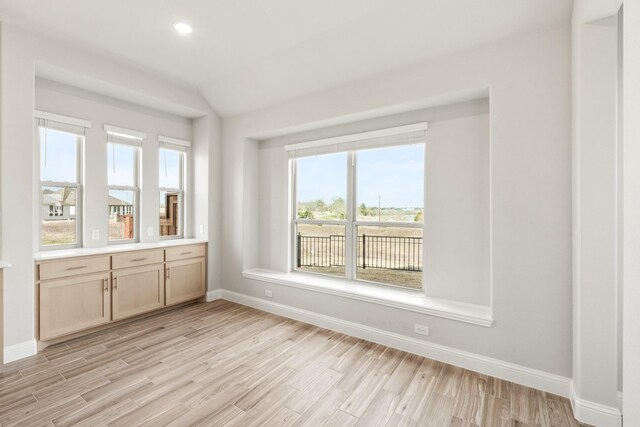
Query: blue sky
column 124, row 171
column 60, row 157
column 396, row 174
column 169, row 168
column 61, row 161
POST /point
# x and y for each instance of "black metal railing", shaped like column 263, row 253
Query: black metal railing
column 321, row 251
column 388, row 252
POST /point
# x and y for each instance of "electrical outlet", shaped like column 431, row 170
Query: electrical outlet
column 421, row 329
column 149, row 231
column 268, row 293
column 95, row 234
column 201, row 228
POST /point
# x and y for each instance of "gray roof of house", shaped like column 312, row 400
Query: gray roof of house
column 62, row 197
column 114, row 201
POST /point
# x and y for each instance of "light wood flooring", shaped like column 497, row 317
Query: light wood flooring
column 222, row 363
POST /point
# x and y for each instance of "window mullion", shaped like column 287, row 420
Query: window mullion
column 293, row 212
column 351, row 237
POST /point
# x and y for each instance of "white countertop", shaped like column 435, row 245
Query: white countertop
column 4, row 264
column 124, row 247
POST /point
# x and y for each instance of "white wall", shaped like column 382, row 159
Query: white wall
column 596, row 227
column 457, row 210
column 207, row 191
column 99, row 110
column 21, row 54
column 529, row 79
column 457, row 195
column 631, row 369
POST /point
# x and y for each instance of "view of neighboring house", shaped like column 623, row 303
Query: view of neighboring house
column 119, row 207
column 59, row 204
column 169, row 214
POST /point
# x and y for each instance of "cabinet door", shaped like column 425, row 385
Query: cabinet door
column 74, row 304
column 185, row 280
column 137, row 290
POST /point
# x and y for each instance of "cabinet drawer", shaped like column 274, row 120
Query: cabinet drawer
column 72, row 267
column 134, row 259
column 185, row 252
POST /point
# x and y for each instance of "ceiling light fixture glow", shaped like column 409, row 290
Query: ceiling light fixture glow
column 183, row 28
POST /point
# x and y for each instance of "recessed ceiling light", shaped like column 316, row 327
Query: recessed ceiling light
column 183, row 28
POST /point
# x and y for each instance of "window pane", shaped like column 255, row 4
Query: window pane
column 170, row 212
column 124, row 171
column 390, row 184
column 322, row 187
column 121, row 214
column 58, row 156
column 321, row 248
column 391, row 255
column 58, row 215
column 170, row 168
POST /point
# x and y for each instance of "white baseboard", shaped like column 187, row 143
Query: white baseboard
column 620, row 401
column 213, row 295
column 594, row 413
column 20, row 351
column 497, row 368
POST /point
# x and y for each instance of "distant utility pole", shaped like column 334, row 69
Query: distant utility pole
column 378, row 208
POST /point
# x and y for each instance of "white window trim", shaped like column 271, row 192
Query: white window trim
column 357, row 136
column 351, row 223
column 181, row 191
column 136, row 198
column 124, row 132
column 67, row 120
column 167, row 140
column 77, row 185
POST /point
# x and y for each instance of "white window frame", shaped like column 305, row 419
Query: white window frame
column 42, row 121
column 135, row 188
column 182, row 150
column 351, row 223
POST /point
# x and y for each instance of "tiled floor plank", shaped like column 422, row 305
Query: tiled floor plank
column 221, row 363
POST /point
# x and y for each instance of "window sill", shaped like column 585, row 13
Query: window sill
column 405, row 299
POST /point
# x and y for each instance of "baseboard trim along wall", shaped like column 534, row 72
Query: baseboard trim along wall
column 540, row 380
column 20, row 351
column 620, row 401
column 213, row 295
column 594, row 413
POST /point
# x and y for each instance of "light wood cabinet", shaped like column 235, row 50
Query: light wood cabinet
column 185, row 280
column 73, row 304
column 137, row 290
column 80, row 293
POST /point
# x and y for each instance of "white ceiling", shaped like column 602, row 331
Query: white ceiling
column 249, row 54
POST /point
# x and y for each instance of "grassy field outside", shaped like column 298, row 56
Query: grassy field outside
column 404, row 279
column 63, row 232
column 60, row 232
column 116, row 230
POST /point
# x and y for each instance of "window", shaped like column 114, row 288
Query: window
column 171, row 179
column 124, row 192
column 359, row 212
column 60, row 184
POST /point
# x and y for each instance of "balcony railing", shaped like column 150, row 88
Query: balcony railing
column 387, row 252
